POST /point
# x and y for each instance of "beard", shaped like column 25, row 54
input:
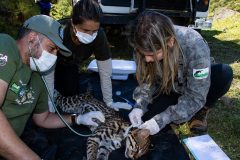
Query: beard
column 34, row 50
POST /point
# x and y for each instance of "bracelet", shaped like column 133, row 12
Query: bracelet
column 73, row 117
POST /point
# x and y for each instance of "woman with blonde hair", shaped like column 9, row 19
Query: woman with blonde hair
column 177, row 81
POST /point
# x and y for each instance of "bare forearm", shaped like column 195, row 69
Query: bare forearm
column 51, row 120
column 11, row 146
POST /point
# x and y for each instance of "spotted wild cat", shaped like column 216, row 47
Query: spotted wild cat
column 109, row 135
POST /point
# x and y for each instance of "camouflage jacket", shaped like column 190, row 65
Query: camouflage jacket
column 192, row 82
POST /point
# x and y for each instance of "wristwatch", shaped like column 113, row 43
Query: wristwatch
column 73, row 119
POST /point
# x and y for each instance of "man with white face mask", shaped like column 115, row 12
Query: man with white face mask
column 45, row 62
column 22, row 91
column 46, row 65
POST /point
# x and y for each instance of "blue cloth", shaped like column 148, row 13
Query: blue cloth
column 45, row 5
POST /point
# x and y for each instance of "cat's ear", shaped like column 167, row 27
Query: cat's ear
column 143, row 133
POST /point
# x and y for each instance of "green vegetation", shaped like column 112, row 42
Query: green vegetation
column 230, row 4
column 62, row 9
column 14, row 12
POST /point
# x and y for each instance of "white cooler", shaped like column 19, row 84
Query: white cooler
column 120, row 68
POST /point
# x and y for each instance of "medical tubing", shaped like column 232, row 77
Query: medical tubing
column 60, row 116
column 126, row 100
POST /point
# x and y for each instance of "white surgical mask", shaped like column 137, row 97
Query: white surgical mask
column 44, row 62
column 86, row 38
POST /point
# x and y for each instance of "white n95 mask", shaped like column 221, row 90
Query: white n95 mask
column 44, row 62
column 86, row 38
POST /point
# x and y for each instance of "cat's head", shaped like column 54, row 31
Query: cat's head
column 137, row 143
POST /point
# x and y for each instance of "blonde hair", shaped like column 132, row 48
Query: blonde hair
column 152, row 31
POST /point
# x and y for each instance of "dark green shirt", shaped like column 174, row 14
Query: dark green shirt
column 26, row 92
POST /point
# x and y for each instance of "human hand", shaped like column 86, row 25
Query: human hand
column 119, row 105
column 87, row 118
column 151, row 125
column 135, row 117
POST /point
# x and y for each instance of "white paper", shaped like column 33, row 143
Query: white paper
column 204, row 148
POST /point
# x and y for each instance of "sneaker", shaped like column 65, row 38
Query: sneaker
column 198, row 124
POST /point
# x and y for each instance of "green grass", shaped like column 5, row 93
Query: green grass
column 231, row 4
column 224, row 119
column 224, row 39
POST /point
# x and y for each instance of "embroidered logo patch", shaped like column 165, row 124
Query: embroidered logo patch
column 15, row 88
column 200, row 73
column 24, row 95
column 3, row 59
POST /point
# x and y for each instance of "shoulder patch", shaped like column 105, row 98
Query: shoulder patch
column 3, row 59
column 200, row 73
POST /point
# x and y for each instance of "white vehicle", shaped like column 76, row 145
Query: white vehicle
column 183, row 12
